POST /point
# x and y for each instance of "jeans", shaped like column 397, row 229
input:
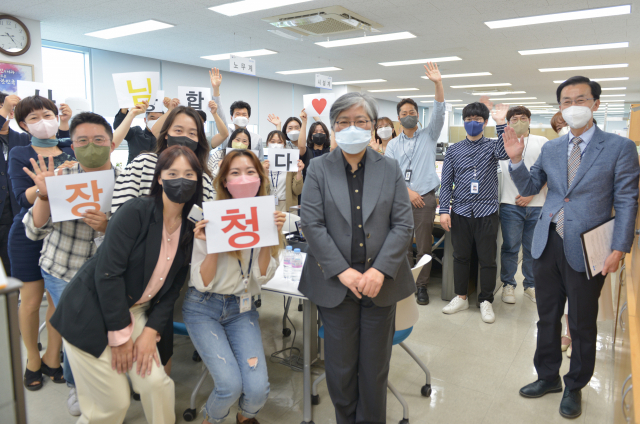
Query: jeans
column 55, row 286
column 517, row 224
column 230, row 344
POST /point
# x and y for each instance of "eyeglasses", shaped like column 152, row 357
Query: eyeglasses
column 98, row 141
column 515, row 120
column 360, row 123
column 411, row 112
column 578, row 102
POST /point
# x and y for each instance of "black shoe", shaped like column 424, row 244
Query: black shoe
column 422, row 296
column 540, row 388
column 571, row 404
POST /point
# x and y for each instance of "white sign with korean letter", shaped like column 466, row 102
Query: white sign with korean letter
column 237, row 224
column 318, row 104
column 323, row 81
column 197, row 98
column 157, row 102
column 134, row 87
column 242, row 65
column 29, row 88
column 284, row 160
column 74, row 194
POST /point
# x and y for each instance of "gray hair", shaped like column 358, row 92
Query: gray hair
column 349, row 100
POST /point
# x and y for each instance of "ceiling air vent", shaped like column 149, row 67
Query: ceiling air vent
column 323, row 22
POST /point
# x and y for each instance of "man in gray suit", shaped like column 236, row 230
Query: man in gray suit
column 357, row 219
column 589, row 173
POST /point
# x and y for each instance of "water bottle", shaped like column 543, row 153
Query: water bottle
column 296, row 266
column 288, row 253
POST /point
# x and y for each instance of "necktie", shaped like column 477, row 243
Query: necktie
column 572, row 168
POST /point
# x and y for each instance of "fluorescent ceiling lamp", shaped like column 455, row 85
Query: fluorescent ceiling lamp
column 420, row 61
column 393, row 89
column 473, row 74
column 613, row 88
column 598, row 79
column 249, row 53
column 447, row 101
column 496, row 93
column 124, row 30
column 366, row 40
column 248, row 6
column 526, row 103
column 613, row 95
column 579, row 68
column 611, row 101
column 515, row 98
column 501, row 84
column 415, row 97
column 359, row 82
column 576, row 48
column 561, row 17
column 309, row 71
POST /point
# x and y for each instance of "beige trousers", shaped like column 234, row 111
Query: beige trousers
column 104, row 395
column 282, row 206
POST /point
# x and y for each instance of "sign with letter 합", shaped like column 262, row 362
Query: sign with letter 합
column 134, row 87
column 197, row 98
column 284, row 160
column 74, row 194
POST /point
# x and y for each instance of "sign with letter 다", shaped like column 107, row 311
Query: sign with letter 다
column 284, row 160
column 134, row 87
column 242, row 65
column 237, row 224
column 74, row 194
column 318, row 104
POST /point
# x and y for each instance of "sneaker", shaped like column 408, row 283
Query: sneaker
column 486, row 310
column 72, row 403
column 457, row 304
column 531, row 293
column 508, row 294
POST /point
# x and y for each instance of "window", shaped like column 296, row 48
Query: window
column 66, row 70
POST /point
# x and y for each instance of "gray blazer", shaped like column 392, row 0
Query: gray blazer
column 607, row 178
column 326, row 222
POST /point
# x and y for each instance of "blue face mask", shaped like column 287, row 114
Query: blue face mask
column 353, row 140
column 473, row 128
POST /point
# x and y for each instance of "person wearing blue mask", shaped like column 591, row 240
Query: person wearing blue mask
column 470, row 177
column 356, row 280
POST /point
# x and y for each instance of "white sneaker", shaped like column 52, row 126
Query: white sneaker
column 72, row 403
column 508, row 294
column 457, row 304
column 486, row 310
column 530, row 293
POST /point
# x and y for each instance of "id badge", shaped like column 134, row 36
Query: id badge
column 245, row 302
column 98, row 240
column 475, row 185
column 276, row 197
column 407, row 175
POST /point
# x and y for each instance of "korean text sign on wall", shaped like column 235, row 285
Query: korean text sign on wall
column 72, row 195
column 238, row 224
column 134, row 87
column 242, row 65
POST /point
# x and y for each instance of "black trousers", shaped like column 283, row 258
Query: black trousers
column 358, row 336
column 4, row 252
column 484, row 231
column 556, row 281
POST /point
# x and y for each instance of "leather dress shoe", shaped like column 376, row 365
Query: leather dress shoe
column 422, row 296
column 571, row 404
column 540, row 388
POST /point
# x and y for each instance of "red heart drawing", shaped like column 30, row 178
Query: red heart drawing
column 319, row 104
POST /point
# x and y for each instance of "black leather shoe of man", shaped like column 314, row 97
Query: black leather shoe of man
column 540, row 388
column 422, row 296
column 571, row 404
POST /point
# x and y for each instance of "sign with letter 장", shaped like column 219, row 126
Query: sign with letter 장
column 74, row 194
column 284, row 160
column 237, row 224
column 134, row 87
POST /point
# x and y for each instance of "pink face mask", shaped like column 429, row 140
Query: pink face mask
column 44, row 129
column 244, row 186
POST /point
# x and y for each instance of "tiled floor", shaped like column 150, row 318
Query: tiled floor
column 476, row 368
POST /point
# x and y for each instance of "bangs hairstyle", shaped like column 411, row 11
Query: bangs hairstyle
column 556, row 122
column 90, row 118
column 476, row 109
column 165, row 160
column 518, row 110
column 235, row 134
column 265, row 187
column 406, row 101
column 280, row 135
column 312, row 128
column 31, row 104
column 386, row 121
column 596, row 90
column 202, row 151
column 287, row 122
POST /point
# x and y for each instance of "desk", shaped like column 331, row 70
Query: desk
column 309, row 332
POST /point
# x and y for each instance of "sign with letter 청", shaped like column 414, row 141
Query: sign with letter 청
column 30, row 88
column 284, row 160
column 237, row 224
column 323, row 81
column 134, row 87
column 74, row 194
column 242, row 65
column 318, row 104
column 197, row 98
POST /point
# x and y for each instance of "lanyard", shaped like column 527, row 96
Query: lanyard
column 275, row 185
column 246, row 280
column 414, row 149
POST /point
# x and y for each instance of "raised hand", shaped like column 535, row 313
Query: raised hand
column 213, row 106
column 9, row 103
column 275, row 120
column 485, row 101
column 139, row 108
column 40, row 172
column 166, row 102
column 432, row 72
column 512, row 144
column 303, row 116
column 499, row 114
column 199, row 232
column 173, row 104
column 65, row 113
column 216, row 78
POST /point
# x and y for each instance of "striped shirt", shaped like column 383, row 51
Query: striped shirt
column 135, row 181
column 472, row 160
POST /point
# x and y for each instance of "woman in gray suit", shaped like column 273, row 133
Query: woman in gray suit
column 357, row 218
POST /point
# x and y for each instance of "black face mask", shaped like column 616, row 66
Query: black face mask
column 179, row 190
column 181, row 141
column 319, row 139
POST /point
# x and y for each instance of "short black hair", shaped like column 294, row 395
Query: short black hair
column 518, row 110
column 404, row 102
column 33, row 103
column 90, row 118
column 239, row 104
column 238, row 131
column 3, row 96
column 596, row 90
column 476, row 109
column 203, row 115
column 284, row 127
column 312, row 128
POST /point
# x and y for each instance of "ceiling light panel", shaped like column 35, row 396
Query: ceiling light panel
column 561, row 17
column 526, row 103
column 415, row 97
column 366, row 40
column 447, row 101
column 580, row 68
column 494, row 93
column 249, row 53
column 130, row 29
column 502, row 84
column 420, row 61
column 575, row 48
column 613, row 95
column 309, row 71
column 359, row 82
column 613, row 88
column 599, row 79
column 386, row 90
column 515, row 98
column 473, row 74
column 248, row 6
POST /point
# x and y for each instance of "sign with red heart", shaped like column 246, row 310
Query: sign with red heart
column 318, row 104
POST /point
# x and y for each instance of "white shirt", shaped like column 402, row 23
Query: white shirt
column 278, row 184
column 228, row 278
column 508, row 192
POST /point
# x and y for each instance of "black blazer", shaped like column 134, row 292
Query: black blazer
column 98, row 298
column 6, row 193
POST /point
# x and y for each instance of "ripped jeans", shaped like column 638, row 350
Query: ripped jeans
column 230, row 344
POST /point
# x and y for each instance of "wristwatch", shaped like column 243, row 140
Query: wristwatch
column 41, row 196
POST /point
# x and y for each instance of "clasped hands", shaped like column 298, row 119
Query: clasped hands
column 368, row 284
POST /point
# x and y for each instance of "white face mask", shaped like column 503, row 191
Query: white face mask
column 275, row 146
column 353, row 140
column 293, row 135
column 240, row 121
column 385, row 132
column 151, row 123
column 577, row 116
column 563, row 131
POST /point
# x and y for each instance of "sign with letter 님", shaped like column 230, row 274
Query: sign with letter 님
column 72, row 195
column 134, row 87
column 284, row 160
